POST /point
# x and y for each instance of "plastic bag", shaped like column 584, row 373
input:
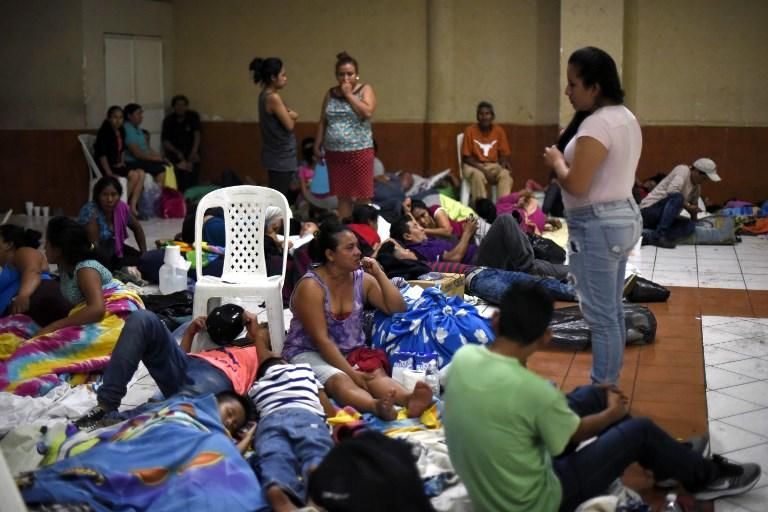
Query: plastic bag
column 170, row 177
column 319, row 185
column 644, row 290
column 570, row 330
column 149, row 201
column 547, row 250
column 172, row 205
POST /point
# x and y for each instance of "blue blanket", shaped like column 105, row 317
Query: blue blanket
column 174, row 457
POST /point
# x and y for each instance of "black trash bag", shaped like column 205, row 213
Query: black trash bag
column 645, row 290
column 547, row 250
column 173, row 309
column 570, row 331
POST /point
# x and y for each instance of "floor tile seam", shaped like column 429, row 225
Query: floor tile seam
column 743, row 448
column 762, row 406
column 759, row 408
column 742, row 374
column 746, row 430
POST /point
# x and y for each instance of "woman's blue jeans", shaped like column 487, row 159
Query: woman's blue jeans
column 601, row 237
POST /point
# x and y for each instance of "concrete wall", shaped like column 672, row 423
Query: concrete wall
column 215, row 44
column 697, row 62
column 40, row 64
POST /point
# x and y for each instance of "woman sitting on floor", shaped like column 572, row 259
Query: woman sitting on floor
column 326, row 331
column 107, row 219
column 25, row 284
column 34, row 358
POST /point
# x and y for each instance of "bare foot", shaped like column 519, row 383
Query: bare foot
column 420, row 400
column 384, row 407
column 279, row 501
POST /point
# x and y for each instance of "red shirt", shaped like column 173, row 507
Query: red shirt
column 237, row 363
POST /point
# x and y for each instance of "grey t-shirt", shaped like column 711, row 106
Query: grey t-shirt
column 278, row 144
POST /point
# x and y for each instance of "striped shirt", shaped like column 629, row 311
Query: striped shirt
column 285, row 386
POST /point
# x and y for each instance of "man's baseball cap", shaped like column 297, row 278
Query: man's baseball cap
column 708, row 167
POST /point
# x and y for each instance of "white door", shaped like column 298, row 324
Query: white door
column 134, row 74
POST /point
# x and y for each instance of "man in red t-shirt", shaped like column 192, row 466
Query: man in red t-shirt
column 484, row 155
column 230, row 367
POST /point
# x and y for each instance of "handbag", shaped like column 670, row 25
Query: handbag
column 320, row 185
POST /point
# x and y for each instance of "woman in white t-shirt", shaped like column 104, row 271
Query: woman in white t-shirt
column 595, row 163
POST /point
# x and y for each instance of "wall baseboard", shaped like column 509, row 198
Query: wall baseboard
column 47, row 166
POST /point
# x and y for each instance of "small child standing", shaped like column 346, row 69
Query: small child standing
column 292, row 437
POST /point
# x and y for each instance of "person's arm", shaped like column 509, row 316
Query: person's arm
column 594, row 424
column 328, row 408
column 443, row 229
column 92, row 229
column 138, row 232
column 472, row 161
column 379, row 290
column 259, row 335
column 321, row 125
column 245, row 442
column 89, row 282
column 194, row 152
column 104, row 164
column 588, row 156
column 170, row 148
column 456, row 255
column 363, row 107
column 29, row 262
column 197, row 325
column 141, row 155
column 310, row 310
column 276, row 106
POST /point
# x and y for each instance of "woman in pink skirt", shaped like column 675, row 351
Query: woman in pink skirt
column 344, row 132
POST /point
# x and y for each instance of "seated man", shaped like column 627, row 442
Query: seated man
column 523, row 457
column 181, row 141
column 145, row 338
column 505, row 247
column 678, row 191
column 484, row 155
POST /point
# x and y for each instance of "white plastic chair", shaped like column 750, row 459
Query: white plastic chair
column 86, row 143
column 245, row 271
column 464, row 183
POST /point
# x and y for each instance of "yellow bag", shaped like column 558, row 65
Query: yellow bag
column 170, row 178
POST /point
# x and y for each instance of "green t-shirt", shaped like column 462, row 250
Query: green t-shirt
column 503, row 425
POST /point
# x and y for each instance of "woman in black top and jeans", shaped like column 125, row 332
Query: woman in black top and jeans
column 110, row 143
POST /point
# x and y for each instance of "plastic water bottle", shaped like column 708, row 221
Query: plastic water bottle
column 671, row 504
column 432, row 378
column 173, row 273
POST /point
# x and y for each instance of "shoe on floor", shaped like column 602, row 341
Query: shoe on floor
column 698, row 444
column 664, row 243
column 733, row 479
column 92, row 418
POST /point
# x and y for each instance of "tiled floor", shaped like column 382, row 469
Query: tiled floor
column 707, row 369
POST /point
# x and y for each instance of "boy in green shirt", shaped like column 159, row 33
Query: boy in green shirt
column 512, row 435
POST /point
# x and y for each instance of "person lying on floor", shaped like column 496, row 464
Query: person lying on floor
column 365, row 225
column 292, row 437
column 26, row 285
column 488, row 284
column 326, row 330
column 524, row 458
column 145, row 338
column 505, row 247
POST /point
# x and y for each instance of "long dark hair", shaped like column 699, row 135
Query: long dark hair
column 20, row 237
column 263, row 70
column 71, row 238
column 595, row 67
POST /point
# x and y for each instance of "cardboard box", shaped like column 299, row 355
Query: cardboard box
column 450, row 284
